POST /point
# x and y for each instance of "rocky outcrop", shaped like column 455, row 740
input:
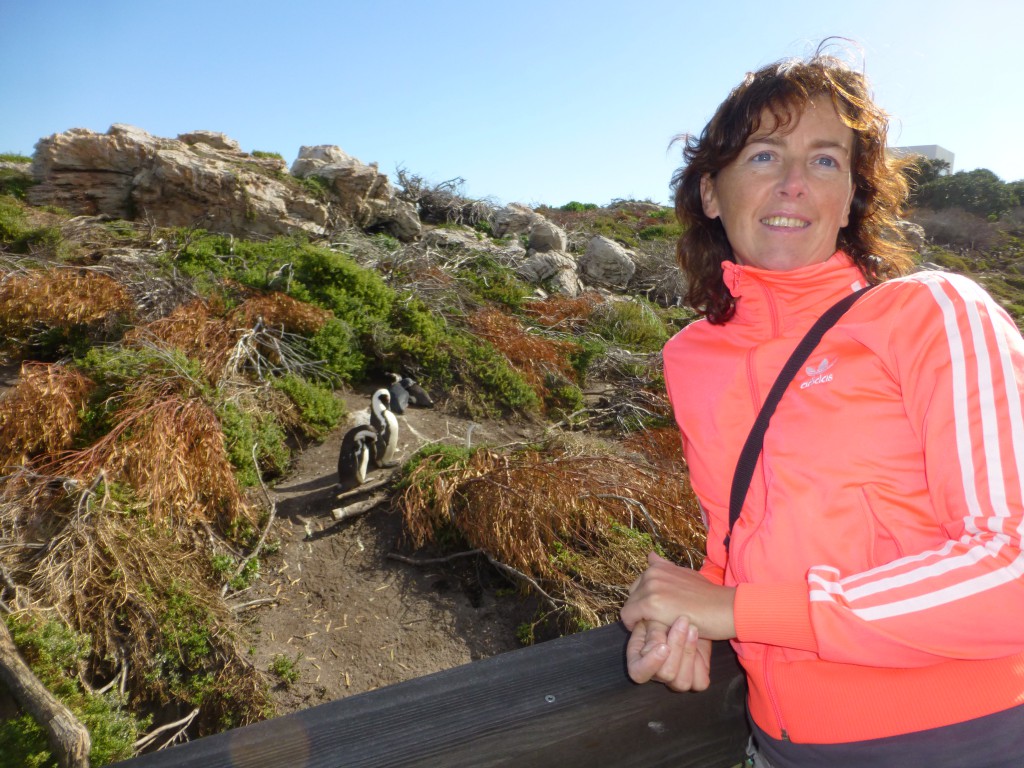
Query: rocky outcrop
column 365, row 196
column 606, row 263
column 204, row 178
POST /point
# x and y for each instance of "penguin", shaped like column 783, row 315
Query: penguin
column 357, row 446
column 386, row 425
column 417, row 395
column 399, row 394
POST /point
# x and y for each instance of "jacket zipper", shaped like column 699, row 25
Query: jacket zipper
column 738, row 571
column 769, row 686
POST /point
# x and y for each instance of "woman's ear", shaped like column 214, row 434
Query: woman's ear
column 708, row 198
column 849, row 205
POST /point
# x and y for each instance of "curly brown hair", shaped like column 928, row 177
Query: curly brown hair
column 783, row 89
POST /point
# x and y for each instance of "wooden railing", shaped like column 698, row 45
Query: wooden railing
column 563, row 703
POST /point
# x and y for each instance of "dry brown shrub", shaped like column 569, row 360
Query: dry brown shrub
column 107, row 572
column 563, row 312
column 40, row 415
column 59, row 297
column 534, row 356
column 171, row 452
column 193, row 329
column 280, row 310
column 572, row 522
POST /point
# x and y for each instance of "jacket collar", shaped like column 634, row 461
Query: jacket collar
column 787, row 296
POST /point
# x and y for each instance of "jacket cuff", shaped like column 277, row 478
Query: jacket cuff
column 774, row 614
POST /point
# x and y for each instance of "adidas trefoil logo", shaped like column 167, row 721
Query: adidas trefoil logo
column 820, row 373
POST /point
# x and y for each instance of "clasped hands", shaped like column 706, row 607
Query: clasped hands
column 673, row 614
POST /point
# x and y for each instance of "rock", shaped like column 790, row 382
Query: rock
column 128, row 173
column 365, row 196
column 543, row 266
column 545, row 235
column 566, row 282
column 513, row 219
column 211, row 139
column 605, row 262
column 915, row 234
column 445, row 237
column 203, row 178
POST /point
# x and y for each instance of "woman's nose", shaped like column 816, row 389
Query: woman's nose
column 792, row 180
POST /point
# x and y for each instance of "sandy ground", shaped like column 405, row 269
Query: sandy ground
column 351, row 618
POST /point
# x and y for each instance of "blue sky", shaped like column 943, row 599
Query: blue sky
column 535, row 102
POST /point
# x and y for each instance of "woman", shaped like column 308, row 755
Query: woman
column 873, row 584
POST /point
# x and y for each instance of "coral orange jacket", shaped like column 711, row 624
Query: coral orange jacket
column 877, row 560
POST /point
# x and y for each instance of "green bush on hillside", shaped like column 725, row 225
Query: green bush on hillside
column 630, row 324
column 54, row 652
column 319, row 410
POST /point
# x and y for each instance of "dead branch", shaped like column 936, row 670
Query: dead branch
column 365, row 488
column 69, row 740
column 357, row 509
column 433, row 560
column 266, row 528
column 150, row 737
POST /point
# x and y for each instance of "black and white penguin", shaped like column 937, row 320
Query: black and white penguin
column 417, row 394
column 399, row 394
column 386, row 425
column 357, row 446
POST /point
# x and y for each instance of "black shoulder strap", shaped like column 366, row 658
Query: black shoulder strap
column 755, row 440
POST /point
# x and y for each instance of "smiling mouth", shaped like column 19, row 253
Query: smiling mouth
column 786, row 222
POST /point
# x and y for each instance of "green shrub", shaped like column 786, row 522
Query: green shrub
column 337, row 345
column 267, row 155
column 319, row 409
column 286, row 669
column 494, row 282
column 335, row 282
column 15, row 183
column 499, row 383
column 18, row 234
column 54, row 652
column 631, row 324
column 580, row 358
column 244, row 429
column 315, row 187
column 660, row 232
column 575, row 207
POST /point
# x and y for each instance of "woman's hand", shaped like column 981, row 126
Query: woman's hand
column 671, row 655
column 666, row 592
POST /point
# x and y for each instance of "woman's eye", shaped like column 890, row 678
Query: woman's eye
column 762, row 157
column 828, row 162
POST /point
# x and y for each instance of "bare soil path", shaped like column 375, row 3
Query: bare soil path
column 348, row 618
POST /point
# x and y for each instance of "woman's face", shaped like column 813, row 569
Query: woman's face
column 787, row 194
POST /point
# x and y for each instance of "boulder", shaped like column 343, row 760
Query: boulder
column 543, row 266
column 545, row 235
column 607, row 263
column 513, row 219
column 566, row 282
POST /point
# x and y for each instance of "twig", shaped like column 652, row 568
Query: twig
column 433, row 560
column 150, row 737
column 626, row 500
column 266, row 528
column 508, row 569
column 254, row 603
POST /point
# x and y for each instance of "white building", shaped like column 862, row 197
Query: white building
column 931, row 151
